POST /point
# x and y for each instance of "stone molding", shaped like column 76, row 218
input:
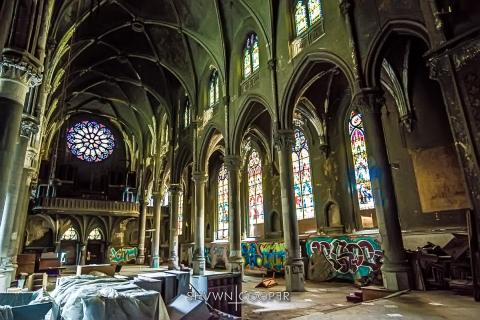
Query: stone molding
column 345, row 7
column 199, row 177
column 175, row 189
column 369, row 101
column 284, row 139
column 29, row 126
column 232, row 162
column 18, row 70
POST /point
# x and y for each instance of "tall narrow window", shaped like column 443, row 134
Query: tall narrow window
column 223, row 203
column 95, row 235
column 302, row 177
column 251, row 56
column 255, row 192
column 180, row 214
column 165, row 196
column 360, row 162
column 214, row 94
column 217, row 90
column 314, row 10
column 166, row 133
column 301, row 21
column 70, row 234
column 187, row 114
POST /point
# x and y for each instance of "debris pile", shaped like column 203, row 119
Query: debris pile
column 443, row 268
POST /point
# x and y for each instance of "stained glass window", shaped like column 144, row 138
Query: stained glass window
column 217, row 90
column 90, row 141
column 223, row 203
column 251, row 56
column 360, row 162
column 214, row 96
column 187, row 114
column 302, row 177
column 301, row 21
column 180, row 214
column 165, row 196
column 70, row 234
column 314, row 10
column 95, row 235
column 166, row 133
column 255, row 192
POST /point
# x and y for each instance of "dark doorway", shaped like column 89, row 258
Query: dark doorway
column 95, row 252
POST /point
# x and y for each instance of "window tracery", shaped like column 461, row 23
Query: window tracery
column 90, row 141
column 302, row 177
column 307, row 13
column 251, row 56
column 255, row 191
column 70, row 234
column 95, row 235
column 222, row 203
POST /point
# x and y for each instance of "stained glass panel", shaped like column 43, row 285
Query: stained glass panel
column 180, row 214
column 302, row 177
column 301, row 21
column 314, row 10
column 255, row 54
column 217, row 90
column 247, row 64
column 212, row 93
column 223, row 203
column 187, row 114
column 70, row 234
column 255, row 191
column 95, row 235
column 360, row 162
column 90, row 141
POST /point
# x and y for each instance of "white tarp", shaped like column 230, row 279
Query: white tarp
column 103, row 298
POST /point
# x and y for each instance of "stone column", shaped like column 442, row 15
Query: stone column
column 83, row 253
column 29, row 126
column 6, row 15
column 157, row 214
column 395, row 269
column 16, row 76
column 294, row 269
column 232, row 163
column 199, row 178
column 175, row 190
column 141, row 232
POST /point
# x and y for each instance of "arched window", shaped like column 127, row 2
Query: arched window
column 303, row 20
column 214, row 89
column 70, row 234
column 166, row 133
column 302, row 177
column 255, row 192
column 180, row 214
column 222, row 203
column 360, row 162
column 251, row 56
column 187, row 114
column 90, row 141
column 95, row 235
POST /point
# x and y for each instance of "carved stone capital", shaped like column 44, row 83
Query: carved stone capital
column 232, row 162
column 29, row 126
column 284, row 139
column 439, row 66
column 466, row 54
column 175, row 189
column 271, row 64
column 226, row 100
column 345, row 7
column 19, row 70
column 199, row 177
column 369, row 100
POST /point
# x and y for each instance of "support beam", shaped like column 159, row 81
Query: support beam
column 157, row 213
column 294, row 269
column 141, row 232
column 396, row 270
column 235, row 217
column 175, row 190
column 199, row 178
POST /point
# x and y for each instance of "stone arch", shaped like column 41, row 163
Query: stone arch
column 210, row 131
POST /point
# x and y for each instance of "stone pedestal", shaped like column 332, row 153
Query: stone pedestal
column 294, row 269
column 199, row 179
column 175, row 190
column 141, row 233
column 157, row 206
column 396, row 270
column 235, row 260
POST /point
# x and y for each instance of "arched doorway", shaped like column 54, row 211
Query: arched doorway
column 95, row 247
column 69, row 245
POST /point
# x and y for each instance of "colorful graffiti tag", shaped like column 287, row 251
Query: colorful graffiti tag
column 216, row 255
column 348, row 256
column 124, row 255
column 265, row 256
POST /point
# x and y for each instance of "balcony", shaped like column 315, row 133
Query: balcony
column 86, row 206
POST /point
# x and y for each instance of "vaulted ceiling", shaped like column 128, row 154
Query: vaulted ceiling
column 131, row 60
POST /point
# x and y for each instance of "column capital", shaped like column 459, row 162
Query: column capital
column 29, row 126
column 284, row 139
column 175, row 188
column 199, row 177
column 232, row 162
column 368, row 101
column 226, row 100
column 20, row 70
column 271, row 64
column 345, row 6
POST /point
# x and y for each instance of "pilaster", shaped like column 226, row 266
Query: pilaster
column 157, row 206
column 175, row 191
column 199, row 179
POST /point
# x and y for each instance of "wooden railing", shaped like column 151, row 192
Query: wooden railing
column 87, row 205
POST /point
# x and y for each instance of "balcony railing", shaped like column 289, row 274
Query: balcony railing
column 87, row 206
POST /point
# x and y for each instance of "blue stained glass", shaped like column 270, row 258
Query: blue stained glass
column 222, row 232
column 187, row 114
column 180, row 215
column 95, row 235
column 90, row 141
column 70, row 234
column 315, row 10
column 255, row 191
column 251, row 56
column 360, row 162
column 247, row 64
column 301, row 21
column 302, row 177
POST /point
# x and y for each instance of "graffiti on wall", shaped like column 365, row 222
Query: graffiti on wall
column 263, row 256
column 348, row 256
column 125, row 254
column 216, row 255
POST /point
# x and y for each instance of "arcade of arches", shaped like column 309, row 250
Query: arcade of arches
column 240, row 134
